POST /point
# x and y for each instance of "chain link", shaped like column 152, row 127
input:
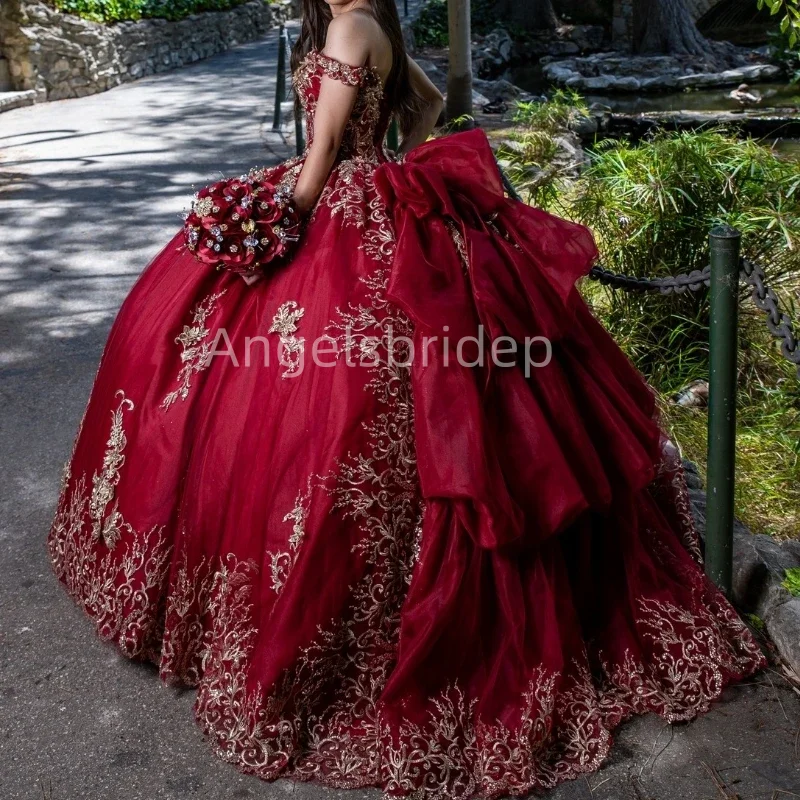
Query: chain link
column 673, row 284
column 779, row 324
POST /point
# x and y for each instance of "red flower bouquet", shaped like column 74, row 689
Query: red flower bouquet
column 241, row 224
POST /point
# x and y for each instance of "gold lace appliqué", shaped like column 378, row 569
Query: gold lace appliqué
column 194, row 348
column 282, row 563
column 285, row 324
column 351, row 193
column 119, row 589
column 105, row 481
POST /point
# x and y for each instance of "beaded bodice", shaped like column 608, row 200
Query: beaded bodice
column 365, row 131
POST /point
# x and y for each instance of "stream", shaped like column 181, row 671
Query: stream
column 776, row 95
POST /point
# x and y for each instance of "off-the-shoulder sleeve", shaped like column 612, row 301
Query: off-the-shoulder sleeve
column 350, row 76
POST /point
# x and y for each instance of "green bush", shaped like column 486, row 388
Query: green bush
column 786, row 54
column 121, row 10
column 651, row 206
column 531, row 157
column 430, row 27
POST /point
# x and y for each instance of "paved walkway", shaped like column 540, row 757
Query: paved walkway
column 90, row 189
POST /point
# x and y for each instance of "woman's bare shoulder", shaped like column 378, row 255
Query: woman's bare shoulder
column 355, row 38
column 355, row 32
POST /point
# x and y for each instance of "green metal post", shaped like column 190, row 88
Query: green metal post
column 723, row 345
column 299, row 134
column 393, row 137
column 280, row 80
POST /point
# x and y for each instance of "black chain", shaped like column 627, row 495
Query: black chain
column 779, row 324
column 673, row 284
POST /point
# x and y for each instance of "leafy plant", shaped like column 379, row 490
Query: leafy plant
column 787, row 55
column 554, row 114
column 123, row 10
column 790, row 23
column 430, row 28
column 792, row 581
column 651, row 206
column 531, row 155
column 756, row 623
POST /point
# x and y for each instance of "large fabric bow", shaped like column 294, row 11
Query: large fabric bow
column 471, row 263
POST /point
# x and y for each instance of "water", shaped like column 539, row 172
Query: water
column 776, row 95
column 790, row 148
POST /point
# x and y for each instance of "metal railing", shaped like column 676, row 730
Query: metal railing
column 284, row 54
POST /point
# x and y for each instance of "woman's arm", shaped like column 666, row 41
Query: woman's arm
column 348, row 41
column 433, row 101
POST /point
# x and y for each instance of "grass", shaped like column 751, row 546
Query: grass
column 768, row 468
column 792, row 582
column 650, row 206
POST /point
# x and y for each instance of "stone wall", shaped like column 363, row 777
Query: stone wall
column 60, row 55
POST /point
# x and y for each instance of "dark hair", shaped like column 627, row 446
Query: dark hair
column 404, row 101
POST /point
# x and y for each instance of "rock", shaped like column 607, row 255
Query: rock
column 783, row 627
column 584, row 126
column 501, row 89
column 599, row 83
column 659, row 83
column 627, row 84
column 58, row 55
column 759, row 568
column 615, row 72
column 478, row 99
column 429, row 68
column 557, row 73
column 693, row 479
column 587, row 37
column 493, row 52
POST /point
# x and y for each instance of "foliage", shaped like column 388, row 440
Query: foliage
column 767, row 457
column 430, row 28
column 650, row 206
column 553, row 115
column 790, row 23
column 792, row 581
column 756, row 623
column 530, row 157
column 122, row 10
column 786, row 55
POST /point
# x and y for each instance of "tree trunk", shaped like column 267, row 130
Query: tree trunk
column 459, row 75
column 533, row 14
column 666, row 26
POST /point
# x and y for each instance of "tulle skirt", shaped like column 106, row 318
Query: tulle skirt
column 381, row 561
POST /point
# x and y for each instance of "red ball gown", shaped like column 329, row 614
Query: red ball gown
column 441, row 579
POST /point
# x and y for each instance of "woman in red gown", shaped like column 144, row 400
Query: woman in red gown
column 441, row 579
